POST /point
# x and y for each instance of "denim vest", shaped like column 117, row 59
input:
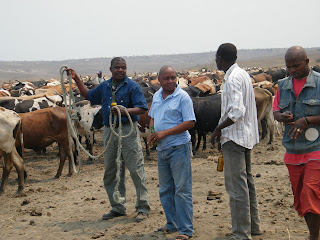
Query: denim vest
column 306, row 104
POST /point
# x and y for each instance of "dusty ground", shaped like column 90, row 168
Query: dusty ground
column 71, row 208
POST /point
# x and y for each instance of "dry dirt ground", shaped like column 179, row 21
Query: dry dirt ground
column 71, row 207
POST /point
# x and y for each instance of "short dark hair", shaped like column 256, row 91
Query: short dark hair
column 117, row 59
column 228, row 52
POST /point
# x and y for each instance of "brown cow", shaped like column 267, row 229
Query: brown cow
column 264, row 111
column 194, row 81
column 10, row 124
column 54, row 90
column 43, row 127
column 261, row 77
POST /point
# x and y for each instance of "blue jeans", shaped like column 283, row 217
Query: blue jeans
column 175, row 188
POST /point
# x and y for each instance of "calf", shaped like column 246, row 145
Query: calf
column 85, row 116
column 43, row 127
column 10, row 124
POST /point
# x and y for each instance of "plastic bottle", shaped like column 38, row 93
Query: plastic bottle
column 220, row 163
column 152, row 132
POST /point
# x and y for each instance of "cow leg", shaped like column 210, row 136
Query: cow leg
column 19, row 165
column 264, row 130
column 89, row 147
column 147, row 146
column 192, row 132
column 200, row 134
column 6, row 171
column 204, row 136
column 63, row 156
column 270, row 124
column 75, row 154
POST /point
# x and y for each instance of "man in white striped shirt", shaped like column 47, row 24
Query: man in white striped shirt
column 238, row 133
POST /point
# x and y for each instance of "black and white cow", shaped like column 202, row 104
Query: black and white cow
column 29, row 105
column 85, row 116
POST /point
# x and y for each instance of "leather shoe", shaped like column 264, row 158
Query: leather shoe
column 112, row 214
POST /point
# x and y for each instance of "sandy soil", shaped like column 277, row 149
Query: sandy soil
column 71, row 207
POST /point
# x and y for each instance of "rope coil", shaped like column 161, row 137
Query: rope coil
column 71, row 113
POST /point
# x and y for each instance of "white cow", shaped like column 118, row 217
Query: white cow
column 10, row 124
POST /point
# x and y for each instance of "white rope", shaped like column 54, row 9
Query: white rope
column 71, row 111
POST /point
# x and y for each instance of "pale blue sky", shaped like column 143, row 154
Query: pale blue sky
column 73, row 29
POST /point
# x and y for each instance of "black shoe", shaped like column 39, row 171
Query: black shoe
column 112, row 214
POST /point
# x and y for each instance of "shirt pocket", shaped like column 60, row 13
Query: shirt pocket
column 123, row 99
column 311, row 106
column 174, row 111
column 284, row 106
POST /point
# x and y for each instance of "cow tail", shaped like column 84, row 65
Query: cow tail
column 19, row 134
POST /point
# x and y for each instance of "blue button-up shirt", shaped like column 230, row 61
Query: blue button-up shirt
column 128, row 94
column 170, row 112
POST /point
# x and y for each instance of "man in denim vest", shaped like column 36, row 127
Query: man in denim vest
column 297, row 105
column 128, row 94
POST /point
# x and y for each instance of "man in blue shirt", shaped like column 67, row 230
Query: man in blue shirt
column 128, row 94
column 172, row 115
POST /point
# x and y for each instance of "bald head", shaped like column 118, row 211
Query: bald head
column 297, row 62
column 165, row 68
column 297, row 53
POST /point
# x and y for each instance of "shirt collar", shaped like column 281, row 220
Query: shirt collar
column 175, row 93
column 125, row 81
column 178, row 88
column 229, row 71
column 309, row 83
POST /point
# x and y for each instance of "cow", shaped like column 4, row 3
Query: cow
column 21, row 89
column 183, row 82
column 195, row 81
column 4, row 93
column 148, row 92
column 29, row 105
column 42, row 127
column 193, row 91
column 208, row 112
column 261, row 77
column 277, row 74
column 85, row 116
column 10, row 125
column 54, row 90
column 264, row 99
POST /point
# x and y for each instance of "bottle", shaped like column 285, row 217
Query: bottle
column 220, row 163
column 152, row 132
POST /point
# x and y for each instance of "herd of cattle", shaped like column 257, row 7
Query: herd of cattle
column 32, row 114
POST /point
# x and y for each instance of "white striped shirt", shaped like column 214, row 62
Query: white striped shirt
column 239, row 104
